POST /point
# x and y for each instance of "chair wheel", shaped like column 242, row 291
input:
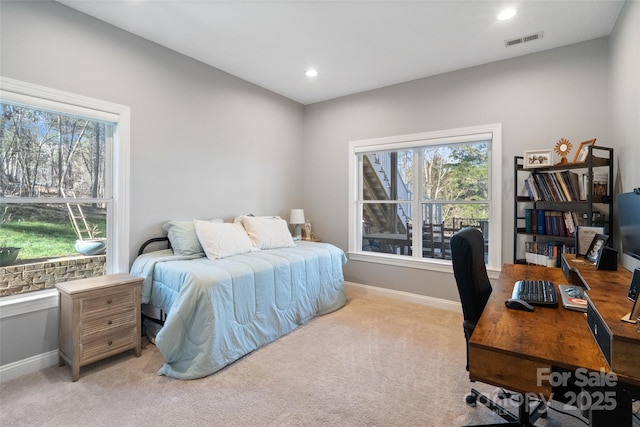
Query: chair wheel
column 470, row 399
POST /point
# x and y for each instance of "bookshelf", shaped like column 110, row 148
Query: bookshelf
column 551, row 201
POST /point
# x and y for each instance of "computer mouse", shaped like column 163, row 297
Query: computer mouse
column 518, row 304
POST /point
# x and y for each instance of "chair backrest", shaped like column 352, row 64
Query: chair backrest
column 467, row 255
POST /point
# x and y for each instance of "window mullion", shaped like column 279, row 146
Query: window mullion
column 417, row 191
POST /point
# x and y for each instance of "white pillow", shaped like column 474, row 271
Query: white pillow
column 220, row 240
column 182, row 235
column 268, row 232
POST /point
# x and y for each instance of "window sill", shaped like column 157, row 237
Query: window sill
column 16, row 305
column 441, row 266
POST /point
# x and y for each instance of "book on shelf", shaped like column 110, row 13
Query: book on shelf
column 578, row 220
column 551, row 222
column 541, row 185
column 561, row 186
column 548, row 254
column 536, row 253
column 569, row 183
column 569, row 223
column 531, row 190
column 541, row 222
column 582, row 186
column 558, row 227
column 600, row 185
column 565, row 186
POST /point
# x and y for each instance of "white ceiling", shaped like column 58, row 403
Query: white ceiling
column 355, row 45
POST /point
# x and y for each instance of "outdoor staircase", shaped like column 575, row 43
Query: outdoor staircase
column 376, row 186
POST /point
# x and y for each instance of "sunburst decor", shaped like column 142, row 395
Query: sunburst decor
column 562, row 149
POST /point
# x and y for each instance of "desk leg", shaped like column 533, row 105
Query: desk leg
column 604, row 415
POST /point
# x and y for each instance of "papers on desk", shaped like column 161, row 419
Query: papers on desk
column 572, row 298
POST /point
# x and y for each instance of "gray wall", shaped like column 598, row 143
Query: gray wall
column 538, row 98
column 625, row 101
column 28, row 335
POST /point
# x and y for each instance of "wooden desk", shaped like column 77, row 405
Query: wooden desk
column 509, row 347
column 608, row 294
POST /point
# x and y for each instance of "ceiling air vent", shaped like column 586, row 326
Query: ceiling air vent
column 524, row 39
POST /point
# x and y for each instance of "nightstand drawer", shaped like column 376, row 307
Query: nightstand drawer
column 111, row 302
column 113, row 343
column 106, row 323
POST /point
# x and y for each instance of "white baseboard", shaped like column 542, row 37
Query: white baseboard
column 27, row 366
column 23, row 305
column 405, row 296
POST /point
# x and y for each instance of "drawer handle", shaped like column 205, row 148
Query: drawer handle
column 109, row 301
column 110, row 342
column 110, row 322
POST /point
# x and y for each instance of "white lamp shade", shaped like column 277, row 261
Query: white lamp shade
column 297, row 216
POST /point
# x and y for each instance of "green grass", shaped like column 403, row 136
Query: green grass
column 43, row 230
column 40, row 239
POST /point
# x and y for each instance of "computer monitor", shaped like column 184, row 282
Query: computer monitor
column 628, row 208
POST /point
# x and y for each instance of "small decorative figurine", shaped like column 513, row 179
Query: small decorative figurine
column 306, row 231
column 562, row 149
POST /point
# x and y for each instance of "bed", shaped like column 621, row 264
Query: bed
column 220, row 309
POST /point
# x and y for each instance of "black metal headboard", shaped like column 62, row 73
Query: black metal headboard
column 154, row 240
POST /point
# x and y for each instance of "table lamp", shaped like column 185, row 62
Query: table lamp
column 297, row 219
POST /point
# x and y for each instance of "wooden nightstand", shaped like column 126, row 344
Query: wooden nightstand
column 98, row 317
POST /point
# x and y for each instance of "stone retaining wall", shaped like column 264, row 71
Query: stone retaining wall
column 22, row 278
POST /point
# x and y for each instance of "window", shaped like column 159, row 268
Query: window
column 410, row 193
column 63, row 181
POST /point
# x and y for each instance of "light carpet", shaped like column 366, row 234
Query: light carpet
column 375, row 362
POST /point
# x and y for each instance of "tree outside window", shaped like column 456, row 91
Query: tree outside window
column 53, row 185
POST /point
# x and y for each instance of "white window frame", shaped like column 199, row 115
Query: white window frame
column 450, row 136
column 31, row 95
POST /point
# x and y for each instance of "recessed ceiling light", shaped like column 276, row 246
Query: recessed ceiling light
column 506, row 14
column 311, row 72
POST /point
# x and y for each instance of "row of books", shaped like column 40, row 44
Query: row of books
column 548, row 254
column 566, row 186
column 551, row 222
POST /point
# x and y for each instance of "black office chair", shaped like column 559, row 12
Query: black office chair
column 467, row 255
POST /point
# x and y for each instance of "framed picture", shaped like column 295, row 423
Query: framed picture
column 599, row 241
column 537, row 159
column 584, row 238
column 583, row 151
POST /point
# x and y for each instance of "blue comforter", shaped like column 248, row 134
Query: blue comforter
column 220, row 310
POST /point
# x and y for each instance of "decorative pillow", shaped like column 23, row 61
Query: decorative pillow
column 268, row 232
column 220, row 240
column 183, row 238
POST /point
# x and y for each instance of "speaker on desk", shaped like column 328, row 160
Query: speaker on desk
column 608, row 259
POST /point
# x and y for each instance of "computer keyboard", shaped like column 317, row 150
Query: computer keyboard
column 535, row 292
